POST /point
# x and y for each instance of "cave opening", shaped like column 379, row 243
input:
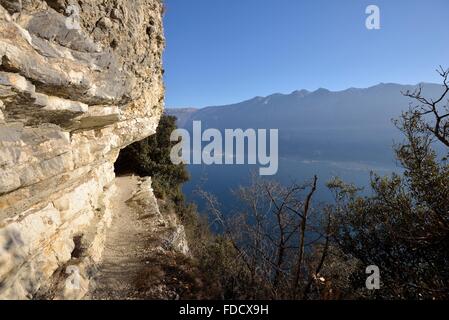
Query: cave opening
column 129, row 159
column 150, row 157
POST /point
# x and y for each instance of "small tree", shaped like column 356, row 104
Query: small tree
column 281, row 241
column 403, row 228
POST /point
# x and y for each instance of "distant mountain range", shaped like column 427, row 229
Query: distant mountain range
column 349, row 125
column 346, row 134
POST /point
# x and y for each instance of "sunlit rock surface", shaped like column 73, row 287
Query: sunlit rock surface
column 79, row 80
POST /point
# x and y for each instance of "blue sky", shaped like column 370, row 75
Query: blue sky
column 225, row 51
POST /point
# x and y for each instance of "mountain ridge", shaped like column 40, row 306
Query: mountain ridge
column 333, row 124
column 305, row 92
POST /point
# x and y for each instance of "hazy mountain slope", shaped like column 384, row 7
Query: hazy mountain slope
column 183, row 115
column 354, row 124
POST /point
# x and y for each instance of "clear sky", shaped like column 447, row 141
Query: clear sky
column 226, row 51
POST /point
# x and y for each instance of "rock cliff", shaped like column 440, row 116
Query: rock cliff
column 79, row 81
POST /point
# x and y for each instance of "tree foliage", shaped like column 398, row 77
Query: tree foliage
column 151, row 157
column 403, row 228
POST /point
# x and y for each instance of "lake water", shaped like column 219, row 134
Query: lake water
column 221, row 180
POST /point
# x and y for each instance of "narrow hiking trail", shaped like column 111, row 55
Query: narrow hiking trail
column 124, row 245
column 146, row 253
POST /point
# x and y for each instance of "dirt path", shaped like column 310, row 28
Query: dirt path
column 126, row 246
column 146, row 252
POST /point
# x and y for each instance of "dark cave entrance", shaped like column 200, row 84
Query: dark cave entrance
column 128, row 161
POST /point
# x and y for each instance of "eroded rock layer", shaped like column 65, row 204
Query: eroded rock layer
column 79, row 80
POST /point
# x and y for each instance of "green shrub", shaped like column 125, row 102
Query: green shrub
column 151, row 157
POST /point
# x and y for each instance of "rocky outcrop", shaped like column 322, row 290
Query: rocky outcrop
column 79, row 80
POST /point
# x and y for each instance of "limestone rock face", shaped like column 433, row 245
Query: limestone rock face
column 79, row 80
